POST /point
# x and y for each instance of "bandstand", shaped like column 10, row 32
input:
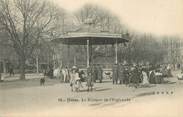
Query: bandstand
column 87, row 36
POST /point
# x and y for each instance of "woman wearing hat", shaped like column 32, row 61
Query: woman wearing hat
column 75, row 79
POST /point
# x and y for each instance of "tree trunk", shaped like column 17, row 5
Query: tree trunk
column 22, row 68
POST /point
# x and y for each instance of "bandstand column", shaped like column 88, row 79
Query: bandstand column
column 88, row 53
column 4, row 67
column 68, row 56
column 116, row 52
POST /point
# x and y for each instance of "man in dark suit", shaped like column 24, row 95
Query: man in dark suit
column 100, row 73
column 121, row 74
column 115, row 74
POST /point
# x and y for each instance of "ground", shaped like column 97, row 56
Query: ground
column 27, row 98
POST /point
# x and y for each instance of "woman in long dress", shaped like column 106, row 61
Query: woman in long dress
column 145, row 80
column 152, row 77
column 57, row 73
column 75, row 80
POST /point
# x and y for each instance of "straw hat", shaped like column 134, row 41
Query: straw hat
column 74, row 68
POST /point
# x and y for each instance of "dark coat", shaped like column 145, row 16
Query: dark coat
column 90, row 78
column 115, row 73
column 152, row 77
column 121, row 72
column 135, row 75
column 99, row 74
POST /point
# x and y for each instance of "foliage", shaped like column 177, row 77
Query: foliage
column 26, row 22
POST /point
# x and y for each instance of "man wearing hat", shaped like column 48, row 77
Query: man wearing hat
column 100, row 73
column 90, row 79
column 115, row 74
column 121, row 74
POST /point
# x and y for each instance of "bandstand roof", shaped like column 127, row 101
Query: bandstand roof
column 94, row 35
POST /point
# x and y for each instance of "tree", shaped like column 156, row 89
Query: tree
column 100, row 20
column 26, row 22
column 144, row 48
column 99, row 17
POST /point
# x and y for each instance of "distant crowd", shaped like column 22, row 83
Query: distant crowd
column 133, row 75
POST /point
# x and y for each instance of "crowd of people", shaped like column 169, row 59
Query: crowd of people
column 125, row 74
column 131, row 75
column 128, row 74
column 134, row 75
column 77, row 76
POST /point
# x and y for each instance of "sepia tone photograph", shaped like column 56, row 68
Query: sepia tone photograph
column 91, row 58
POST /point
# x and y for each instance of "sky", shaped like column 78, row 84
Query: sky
column 158, row 17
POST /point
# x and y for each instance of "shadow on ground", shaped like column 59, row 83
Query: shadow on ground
column 168, row 82
column 96, row 89
column 27, row 83
column 103, row 89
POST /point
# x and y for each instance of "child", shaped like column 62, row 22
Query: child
column 42, row 81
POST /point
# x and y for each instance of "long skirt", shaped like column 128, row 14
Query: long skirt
column 145, row 78
column 89, row 82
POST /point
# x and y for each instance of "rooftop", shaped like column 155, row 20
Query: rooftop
column 94, row 34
